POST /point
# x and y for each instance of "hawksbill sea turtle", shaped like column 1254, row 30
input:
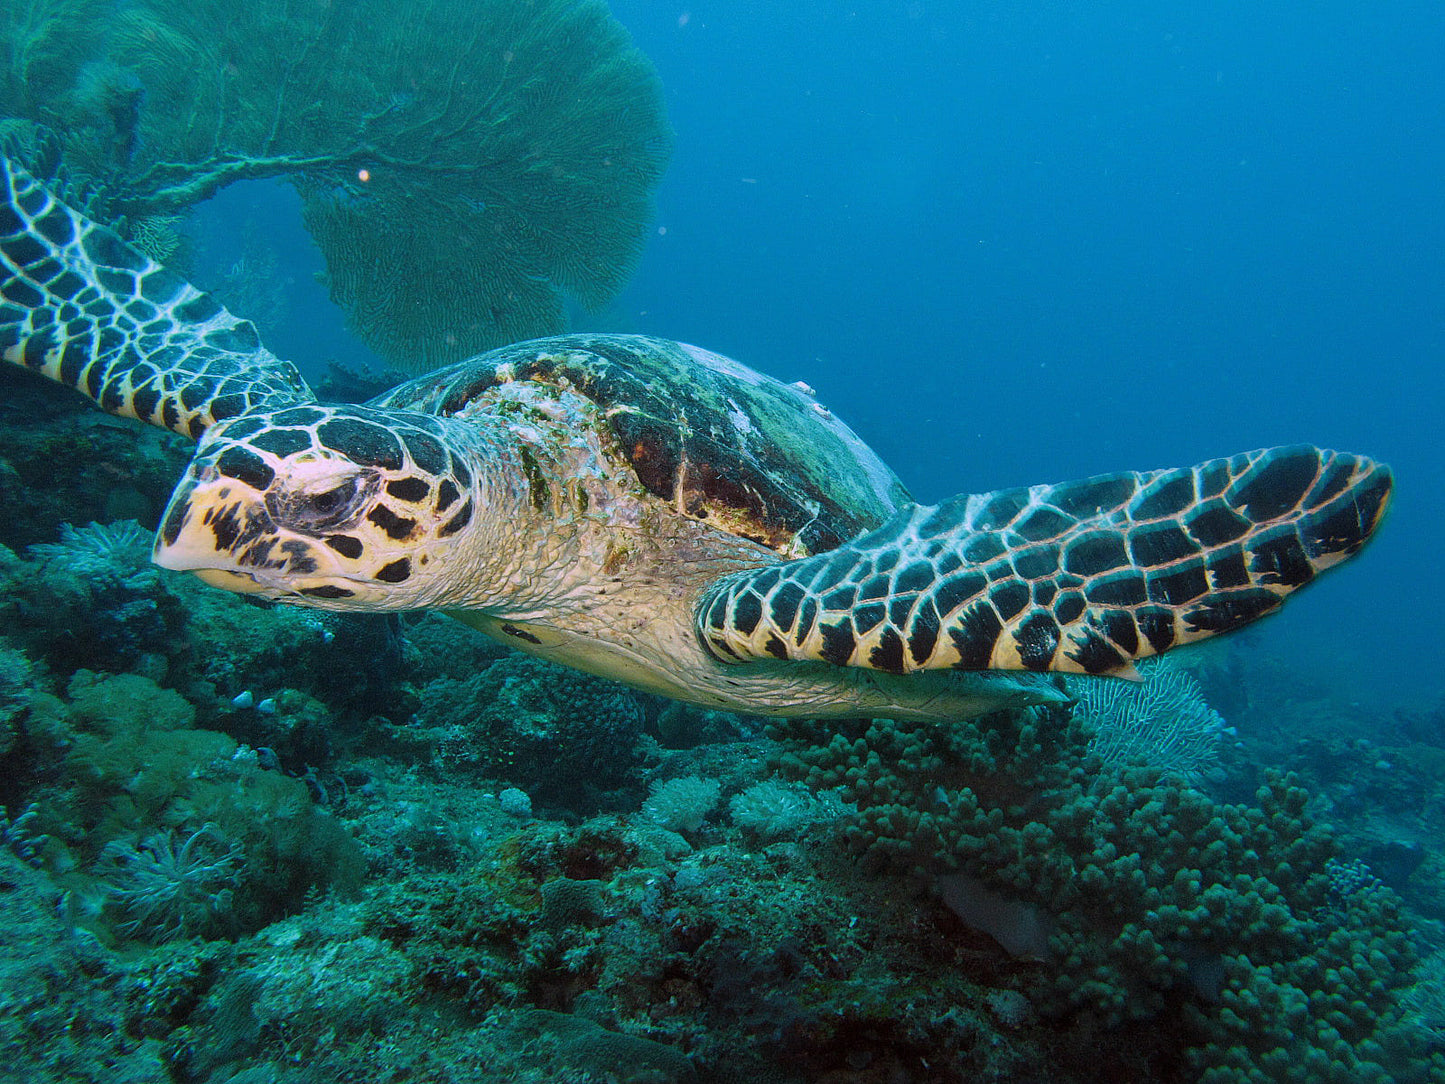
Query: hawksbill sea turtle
column 655, row 513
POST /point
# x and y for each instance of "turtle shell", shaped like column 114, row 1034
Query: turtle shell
column 750, row 454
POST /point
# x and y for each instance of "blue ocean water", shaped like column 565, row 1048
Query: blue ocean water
column 1014, row 243
column 1017, row 243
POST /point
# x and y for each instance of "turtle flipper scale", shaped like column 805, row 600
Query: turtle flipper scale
column 1082, row 577
column 79, row 305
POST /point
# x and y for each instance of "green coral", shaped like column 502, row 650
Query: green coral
column 564, row 737
column 463, row 167
column 132, row 781
column 1223, row 925
column 172, row 885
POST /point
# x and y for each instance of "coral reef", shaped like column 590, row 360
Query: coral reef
column 772, row 810
column 64, row 1013
column 97, row 602
column 158, row 236
column 243, row 842
column 173, row 830
column 169, row 887
column 566, row 738
column 1224, row 930
column 62, row 461
column 682, row 804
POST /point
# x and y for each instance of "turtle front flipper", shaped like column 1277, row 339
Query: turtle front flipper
column 82, row 307
column 1081, row 577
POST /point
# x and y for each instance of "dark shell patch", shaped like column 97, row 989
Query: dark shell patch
column 235, row 462
column 396, row 527
column 395, row 572
column 750, row 456
column 345, row 545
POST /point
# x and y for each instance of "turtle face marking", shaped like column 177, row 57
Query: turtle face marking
column 337, row 507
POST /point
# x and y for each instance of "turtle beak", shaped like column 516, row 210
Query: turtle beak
column 195, row 551
column 208, row 527
column 236, row 582
column 193, row 535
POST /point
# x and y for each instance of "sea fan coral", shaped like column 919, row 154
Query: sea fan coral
column 1162, row 722
column 464, row 167
column 158, row 236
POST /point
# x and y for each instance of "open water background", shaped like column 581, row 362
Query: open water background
column 1021, row 242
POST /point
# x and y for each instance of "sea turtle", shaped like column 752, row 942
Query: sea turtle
column 655, row 513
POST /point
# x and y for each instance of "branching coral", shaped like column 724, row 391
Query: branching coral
column 1225, row 924
column 157, row 236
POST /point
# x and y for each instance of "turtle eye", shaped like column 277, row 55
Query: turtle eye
column 326, row 504
column 321, row 508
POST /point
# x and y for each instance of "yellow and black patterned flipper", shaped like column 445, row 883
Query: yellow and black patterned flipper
column 82, row 307
column 1082, row 577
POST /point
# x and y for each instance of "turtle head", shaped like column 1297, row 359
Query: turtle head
column 337, row 507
